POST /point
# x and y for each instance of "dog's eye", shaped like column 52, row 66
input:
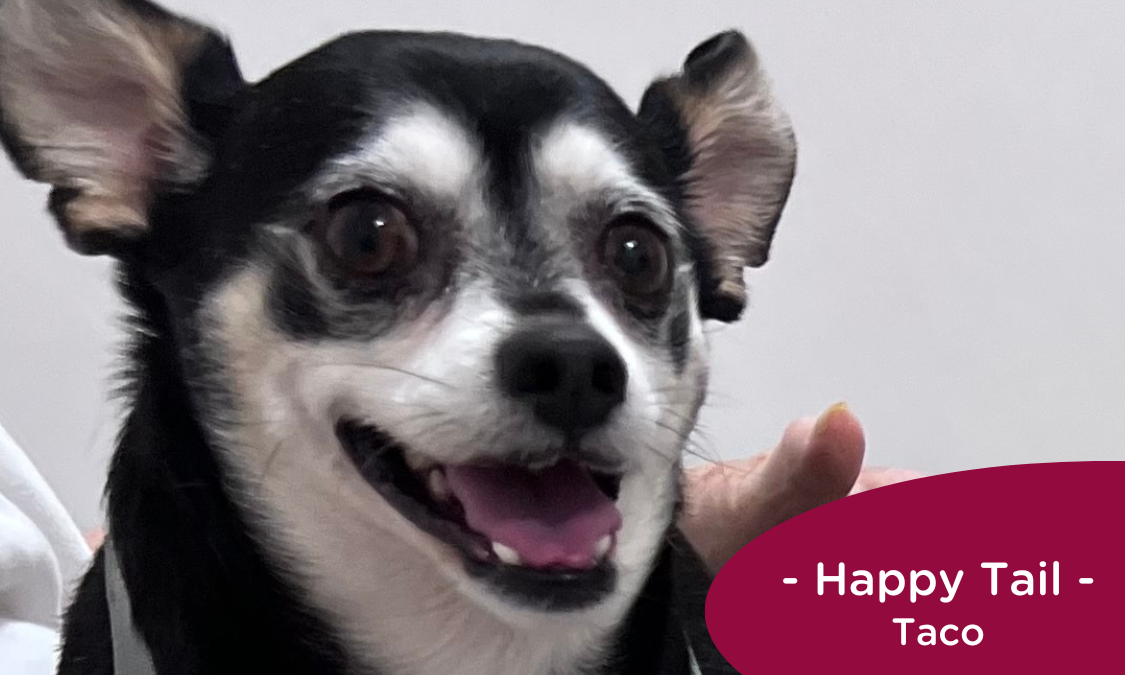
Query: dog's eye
column 367, row 235
column 637, row 256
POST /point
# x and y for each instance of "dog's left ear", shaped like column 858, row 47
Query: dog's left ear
column 732, row 148
column 96, row 99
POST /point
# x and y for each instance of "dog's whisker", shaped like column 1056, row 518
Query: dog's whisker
column 692, row 393
column 383, row 367
column 270, row 459
column 698, row 450
column 665, row 410
column 688, row 444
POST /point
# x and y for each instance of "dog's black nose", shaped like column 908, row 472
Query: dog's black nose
column 570, row 375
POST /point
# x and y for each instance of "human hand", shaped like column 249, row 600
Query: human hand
column 818, row 461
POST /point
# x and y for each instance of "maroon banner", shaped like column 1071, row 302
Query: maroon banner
column 1011, row 569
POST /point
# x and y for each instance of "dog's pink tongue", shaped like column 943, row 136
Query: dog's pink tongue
column 554, row 517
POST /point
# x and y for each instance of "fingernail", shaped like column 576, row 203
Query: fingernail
column 827, row 416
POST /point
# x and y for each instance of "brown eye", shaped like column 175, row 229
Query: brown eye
column 368, row 235
column 637, row 255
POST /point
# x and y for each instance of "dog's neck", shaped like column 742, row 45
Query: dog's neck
column 203, row 596
column 207, row 599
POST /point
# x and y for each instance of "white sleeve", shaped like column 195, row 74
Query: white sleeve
column 42, row 556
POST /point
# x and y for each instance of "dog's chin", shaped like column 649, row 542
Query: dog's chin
column 541, row 538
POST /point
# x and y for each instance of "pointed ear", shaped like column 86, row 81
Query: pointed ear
column 93, row 101
column 733, row 150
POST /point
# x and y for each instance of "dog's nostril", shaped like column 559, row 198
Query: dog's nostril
column 608, row 378
column 539, row 374
column 568, row 373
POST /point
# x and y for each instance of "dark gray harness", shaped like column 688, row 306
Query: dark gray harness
column 130, row 656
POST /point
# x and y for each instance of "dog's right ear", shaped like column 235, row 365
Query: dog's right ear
column 97, row 98
column 731, row 146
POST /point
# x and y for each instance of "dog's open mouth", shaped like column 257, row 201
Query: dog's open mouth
column 546, row 535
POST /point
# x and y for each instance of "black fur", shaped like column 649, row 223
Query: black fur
column 713, row 58
column 318, row 106
column 205, row 597
column 679, row 339
column 294, row 305
column 530, row 304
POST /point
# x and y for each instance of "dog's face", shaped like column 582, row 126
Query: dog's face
column 439, row 300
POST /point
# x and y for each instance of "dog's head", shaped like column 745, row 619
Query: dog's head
column 439, row 300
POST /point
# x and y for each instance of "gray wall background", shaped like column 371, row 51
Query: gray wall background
column 950, row 264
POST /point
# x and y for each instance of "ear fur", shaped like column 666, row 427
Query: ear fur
column 91, row 102
column 733, row 149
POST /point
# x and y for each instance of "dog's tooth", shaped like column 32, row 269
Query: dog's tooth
column 506, row 554
column 417, row 462
column 439, row 486
column 480, row 552
column 603, row 546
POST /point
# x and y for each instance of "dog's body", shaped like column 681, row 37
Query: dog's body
column 417, row 337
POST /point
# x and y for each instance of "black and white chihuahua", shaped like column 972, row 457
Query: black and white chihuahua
column 416, row 338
